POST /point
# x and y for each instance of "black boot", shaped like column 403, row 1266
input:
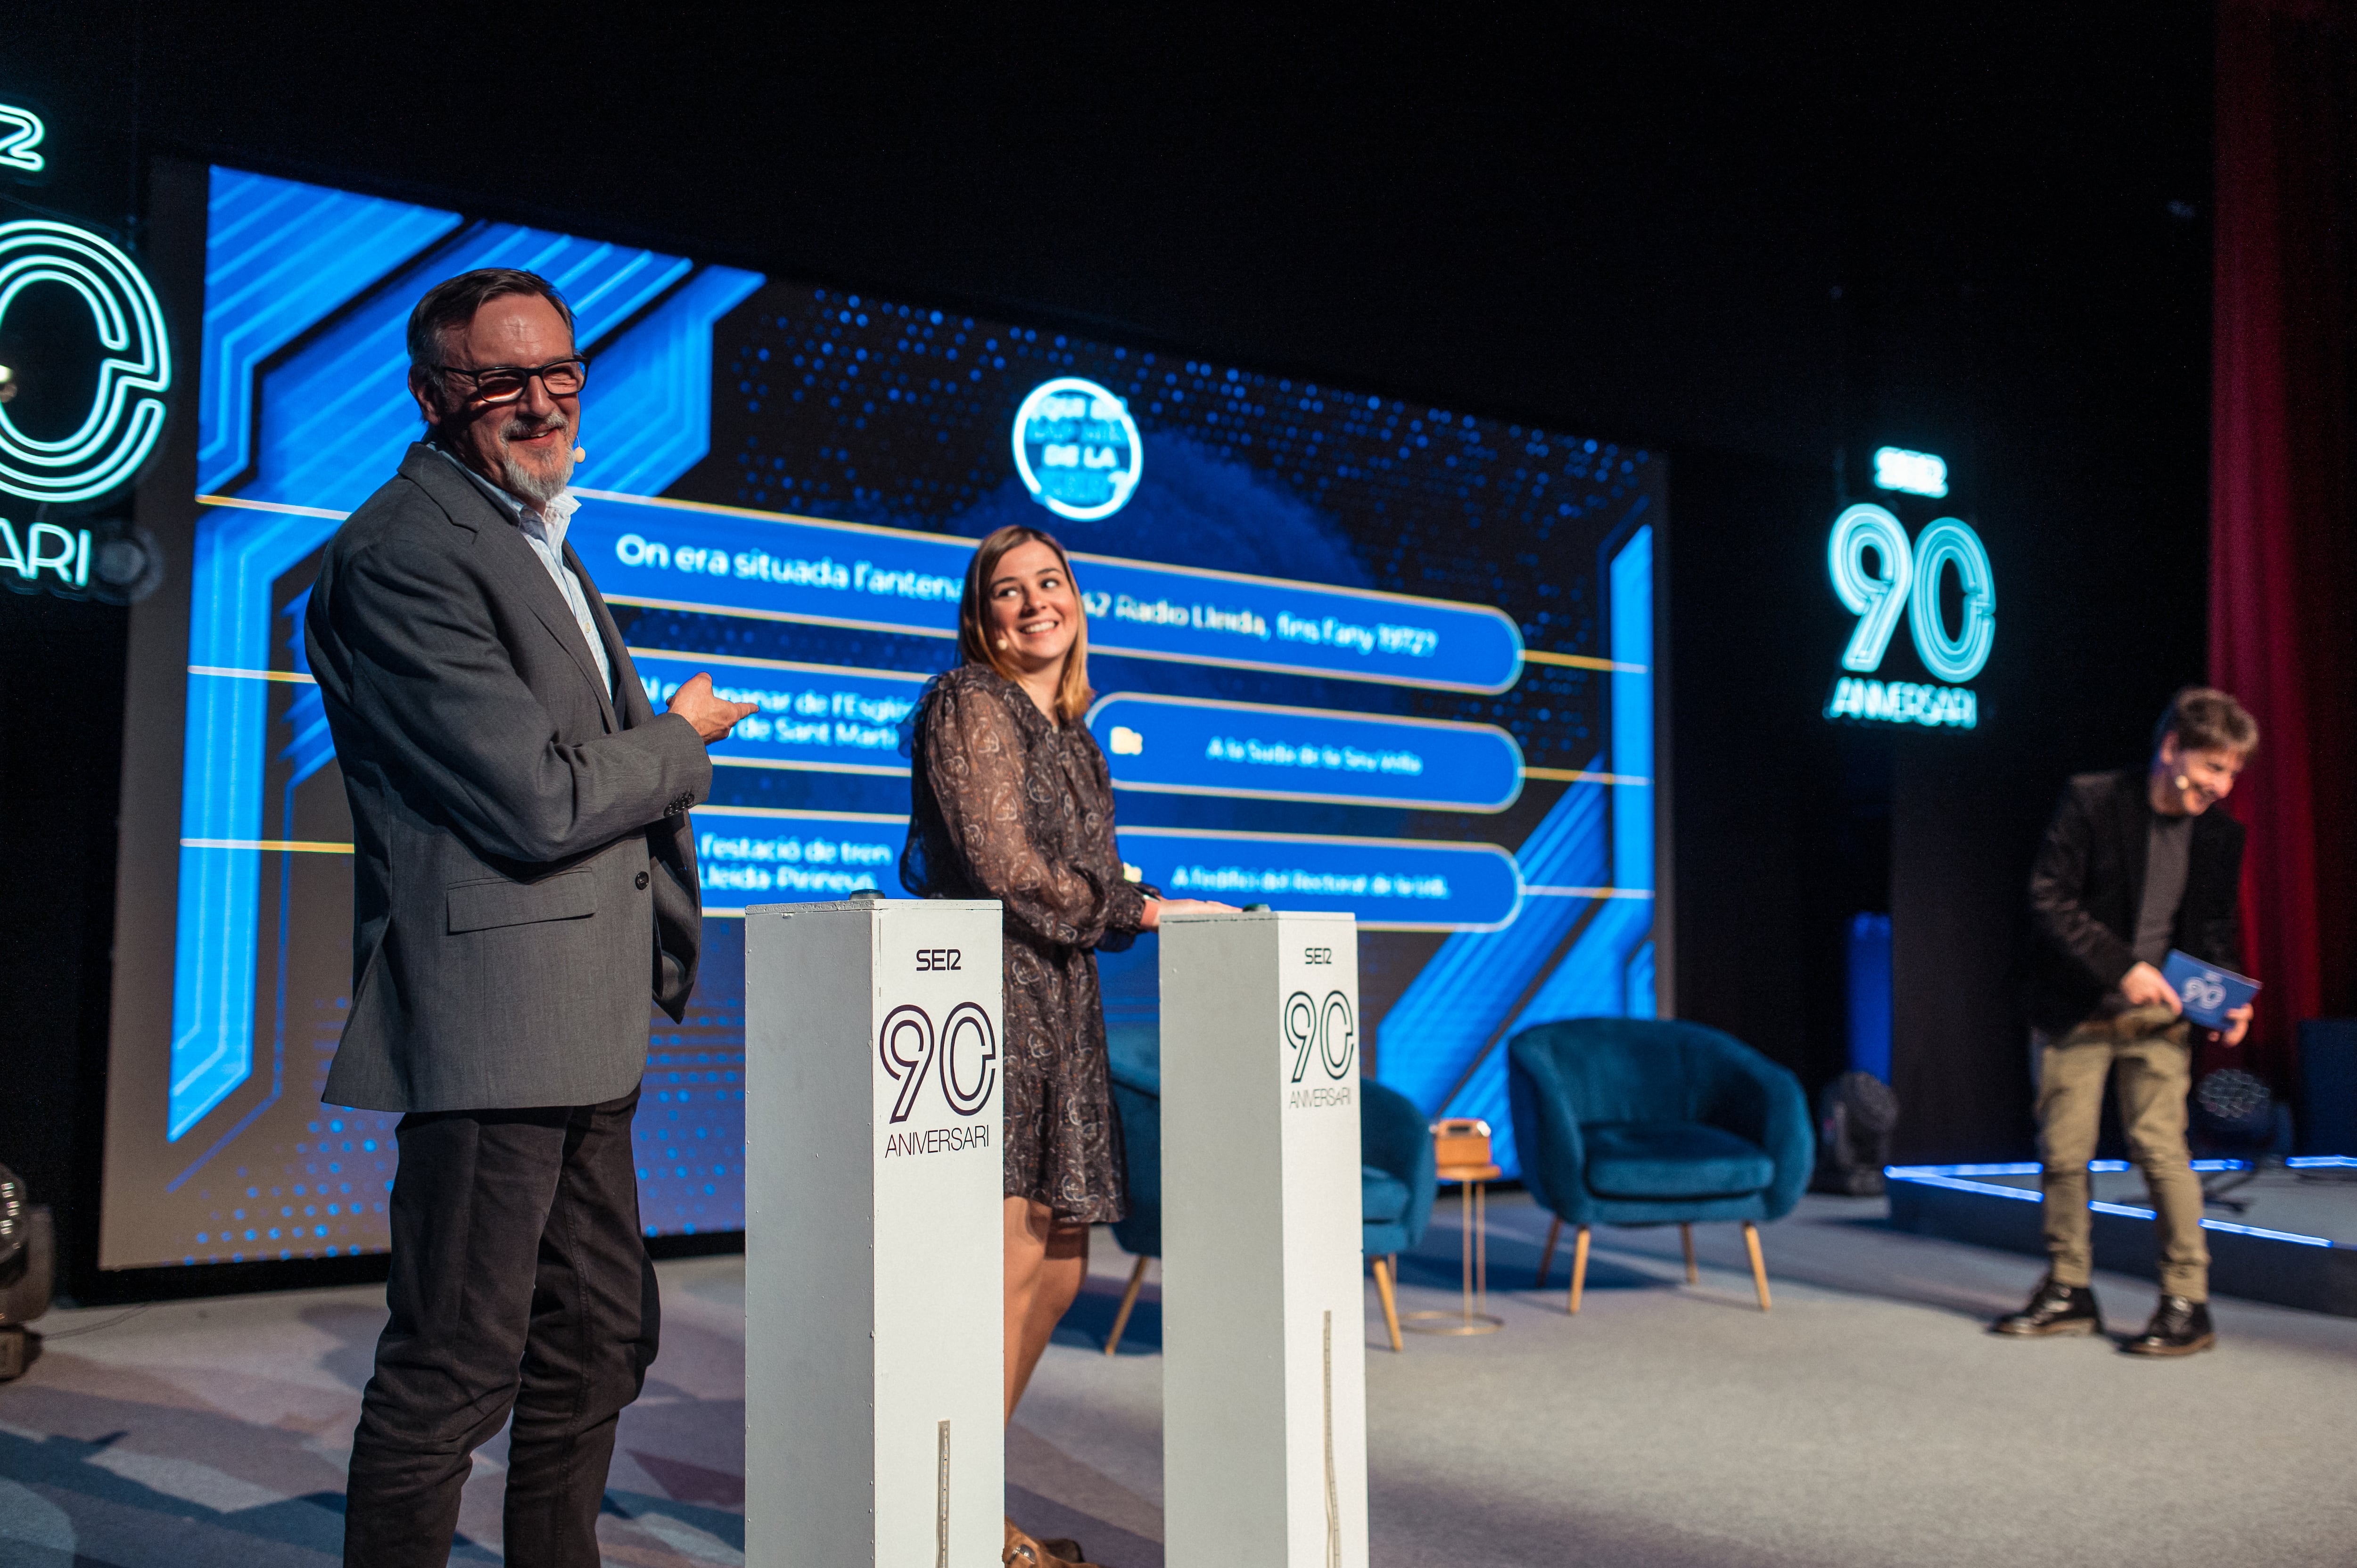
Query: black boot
column 2179, row 1327
column 2054, row 1309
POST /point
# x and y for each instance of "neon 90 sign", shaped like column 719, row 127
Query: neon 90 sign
column 126, row 411
column 134, row 371
column 1909, row 582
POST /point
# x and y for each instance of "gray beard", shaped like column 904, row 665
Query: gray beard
column 538, row 488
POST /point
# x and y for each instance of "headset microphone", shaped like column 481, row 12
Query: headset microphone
column 580, row 454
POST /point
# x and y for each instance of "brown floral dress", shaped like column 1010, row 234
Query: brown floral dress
column 1008, row 804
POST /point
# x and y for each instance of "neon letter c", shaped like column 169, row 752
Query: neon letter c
column 126, row 413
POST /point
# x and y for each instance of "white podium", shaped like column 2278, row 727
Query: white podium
column 872, row 1386
column 1264, row 1314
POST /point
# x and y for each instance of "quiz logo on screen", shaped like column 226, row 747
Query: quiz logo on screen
column 1907, row 580
column 1077, row 449
column 135, row 367
column 910, row 1046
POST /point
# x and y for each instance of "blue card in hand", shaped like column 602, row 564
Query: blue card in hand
column 2208, row 992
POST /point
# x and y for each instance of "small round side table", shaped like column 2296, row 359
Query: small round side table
column 1472, row 1198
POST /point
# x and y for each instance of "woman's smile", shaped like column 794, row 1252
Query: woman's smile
column 1033, row 611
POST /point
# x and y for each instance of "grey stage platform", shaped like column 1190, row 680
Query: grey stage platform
column 2295, row 1243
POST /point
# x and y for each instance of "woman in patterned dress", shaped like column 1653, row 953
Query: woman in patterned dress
column 1011, row 801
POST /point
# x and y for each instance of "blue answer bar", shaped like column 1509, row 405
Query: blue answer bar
column 731, row 561
column 814, row 717
column 1184, row 745
column 747, row 855
column 1392, row 884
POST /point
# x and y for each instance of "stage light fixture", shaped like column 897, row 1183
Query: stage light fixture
column 28, row 1260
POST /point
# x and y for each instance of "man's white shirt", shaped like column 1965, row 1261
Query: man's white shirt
column 543, row 528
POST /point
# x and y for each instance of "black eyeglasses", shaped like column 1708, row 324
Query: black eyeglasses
column 505, row 384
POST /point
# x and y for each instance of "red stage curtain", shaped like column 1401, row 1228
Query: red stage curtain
column 2281, row 584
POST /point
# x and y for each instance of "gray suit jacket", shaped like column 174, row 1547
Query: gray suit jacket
column 525, row 875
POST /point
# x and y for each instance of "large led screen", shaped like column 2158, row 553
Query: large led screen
column 1352, row 651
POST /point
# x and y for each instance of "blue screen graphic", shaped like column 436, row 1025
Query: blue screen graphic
column 1352, row 652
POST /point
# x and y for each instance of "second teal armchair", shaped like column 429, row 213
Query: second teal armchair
column 1396, row 1176
column 1654, row 1122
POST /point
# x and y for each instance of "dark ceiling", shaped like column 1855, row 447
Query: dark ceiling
column 1631, row 217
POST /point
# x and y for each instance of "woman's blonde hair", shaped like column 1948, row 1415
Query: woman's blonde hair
column 975, row 647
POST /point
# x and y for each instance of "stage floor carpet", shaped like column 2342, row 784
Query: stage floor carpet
column 1867, row 1420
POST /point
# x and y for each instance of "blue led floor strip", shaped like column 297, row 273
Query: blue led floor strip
column 1929, row 1175
column 2031, row 1167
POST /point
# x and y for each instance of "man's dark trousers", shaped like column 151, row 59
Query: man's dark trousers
column 518, row 1282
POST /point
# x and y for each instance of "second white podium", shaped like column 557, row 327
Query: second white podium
column 1264, row 1311
column 873, row 1385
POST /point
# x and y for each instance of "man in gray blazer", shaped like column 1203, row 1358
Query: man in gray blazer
column 524, row 879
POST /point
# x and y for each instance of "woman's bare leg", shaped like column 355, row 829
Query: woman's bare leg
column 1026, row 1252
column 1045, row 1265
column 1060, row 1274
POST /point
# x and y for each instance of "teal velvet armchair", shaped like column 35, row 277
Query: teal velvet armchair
column 1647, row 1122
column 1397, row 1180
column 1135, row 1053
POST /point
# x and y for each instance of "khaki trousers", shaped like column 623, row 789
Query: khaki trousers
column 2148, row 1047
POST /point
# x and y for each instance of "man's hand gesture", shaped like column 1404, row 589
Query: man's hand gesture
column 712, row 716
column 2238, row 1023
column 2146, row 986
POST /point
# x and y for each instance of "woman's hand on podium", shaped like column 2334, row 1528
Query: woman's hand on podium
column 1157, row 907
column 713, row 716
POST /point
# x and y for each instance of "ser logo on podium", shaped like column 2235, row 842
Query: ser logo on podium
column 910, row 1046
column 1327, row 1032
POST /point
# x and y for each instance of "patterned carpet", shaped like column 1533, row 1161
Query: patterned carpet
column 1864, row 1422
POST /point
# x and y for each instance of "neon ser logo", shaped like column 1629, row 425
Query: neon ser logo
column 1907, row 583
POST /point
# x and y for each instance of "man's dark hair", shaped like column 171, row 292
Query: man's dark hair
column 453, row 302
column 2203, row 718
